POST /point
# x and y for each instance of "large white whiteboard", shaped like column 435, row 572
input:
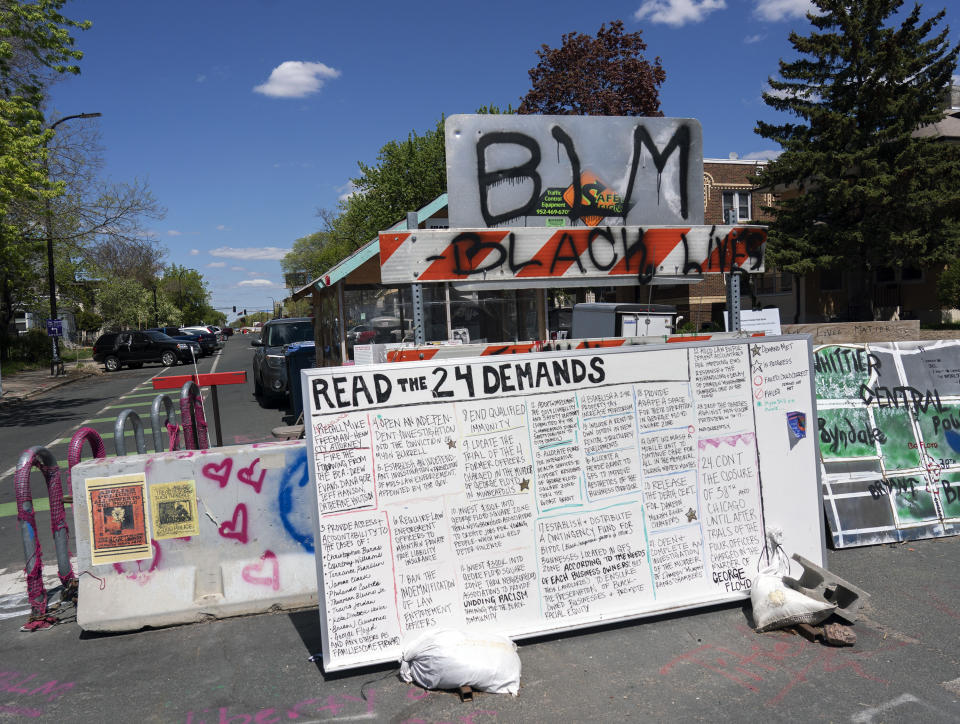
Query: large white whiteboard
column 544, row 492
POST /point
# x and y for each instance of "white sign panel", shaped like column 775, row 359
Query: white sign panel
column 533, row 170
column 552, row 491
column 757, row 320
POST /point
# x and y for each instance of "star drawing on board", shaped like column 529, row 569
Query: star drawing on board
column 451, row 444
column 691, row 515
column 524, row 485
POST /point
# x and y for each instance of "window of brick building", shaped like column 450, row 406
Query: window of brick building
column 737, row 202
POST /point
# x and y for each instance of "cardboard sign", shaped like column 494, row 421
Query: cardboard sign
column 889, row 438
column 551, row 491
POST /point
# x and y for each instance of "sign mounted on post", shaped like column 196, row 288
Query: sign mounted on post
column 603, row 253
column 54, row 327
column 550, row 492
column 513, row 170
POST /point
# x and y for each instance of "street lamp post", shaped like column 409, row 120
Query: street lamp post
column 51, row 278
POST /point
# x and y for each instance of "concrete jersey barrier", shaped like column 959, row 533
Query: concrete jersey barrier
column 179, row 537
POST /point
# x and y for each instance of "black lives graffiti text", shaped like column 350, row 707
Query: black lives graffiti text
column 604, row 247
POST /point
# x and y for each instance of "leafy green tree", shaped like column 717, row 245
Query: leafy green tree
column 88, row 321
column 863, row 192
column 948, row 286
column 35, row 47
column 606, row 75
column 124, row 303
column 306, row 258
column 186, row 289
column 407, row 175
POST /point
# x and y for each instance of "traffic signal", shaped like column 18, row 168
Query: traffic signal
column 244, row 312
column 234, row 308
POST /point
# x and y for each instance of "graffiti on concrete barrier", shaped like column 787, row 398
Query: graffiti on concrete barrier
column 236, row 527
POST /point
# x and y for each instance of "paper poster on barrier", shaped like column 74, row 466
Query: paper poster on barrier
column 118, row 520
column 173, row 508
column 889, row 440
column 544, row 492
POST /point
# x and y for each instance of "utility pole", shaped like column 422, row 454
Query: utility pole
column 55, row 363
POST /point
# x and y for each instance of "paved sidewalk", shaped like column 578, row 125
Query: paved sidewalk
column 30, row 383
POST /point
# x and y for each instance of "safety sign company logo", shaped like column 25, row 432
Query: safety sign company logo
column 556, row 202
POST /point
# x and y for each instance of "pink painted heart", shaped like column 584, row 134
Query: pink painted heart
column 236, row 527
column 251, row 572
column 219, row 471
column 246, row 476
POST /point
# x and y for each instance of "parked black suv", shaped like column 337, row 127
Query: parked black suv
column 269, row 365
column 134, row 347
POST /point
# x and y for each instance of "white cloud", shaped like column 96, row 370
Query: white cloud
column 237, row 268
column 201, row 78
column 761, row 155
column 346, row 191
column 775, row 10
column 222, row 227
column 256, row 283
column 194, row 252
column 678, row 12
column 296, row 79
column 174, row 232
column 802, row 93
column 751, row 39
column 217, row 264
column 255, row 252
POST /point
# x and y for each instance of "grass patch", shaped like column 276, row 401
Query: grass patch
column 69, row 357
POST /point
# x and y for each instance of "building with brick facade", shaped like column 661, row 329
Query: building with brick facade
column 729, row 196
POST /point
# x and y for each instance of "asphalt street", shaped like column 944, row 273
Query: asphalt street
column 708, row 665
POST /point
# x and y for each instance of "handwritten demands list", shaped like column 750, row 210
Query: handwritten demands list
column 533, row 494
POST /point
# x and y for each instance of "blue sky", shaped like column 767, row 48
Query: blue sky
column 246, row 117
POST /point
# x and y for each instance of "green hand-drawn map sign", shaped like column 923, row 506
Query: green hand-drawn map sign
column 889, row 434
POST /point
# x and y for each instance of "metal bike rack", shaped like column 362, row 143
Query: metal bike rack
column 170, row 423
column 75, row 450
column 191, row 415
column 36, row 593
column 118, row 429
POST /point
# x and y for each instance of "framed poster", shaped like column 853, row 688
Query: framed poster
column 118, row 522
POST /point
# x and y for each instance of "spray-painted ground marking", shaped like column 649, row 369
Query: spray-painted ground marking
column 771, row 665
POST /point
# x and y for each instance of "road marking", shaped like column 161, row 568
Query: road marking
column 39, row 505
column 140, row 385
column 129, row 405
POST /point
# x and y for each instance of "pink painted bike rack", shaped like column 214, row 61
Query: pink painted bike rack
column 75, row 451
column 191, row 418
column 36, row 593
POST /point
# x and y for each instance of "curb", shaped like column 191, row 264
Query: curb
column 67, row 379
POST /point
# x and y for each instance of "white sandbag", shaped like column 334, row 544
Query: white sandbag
column 449, row 659
column 775, row 605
